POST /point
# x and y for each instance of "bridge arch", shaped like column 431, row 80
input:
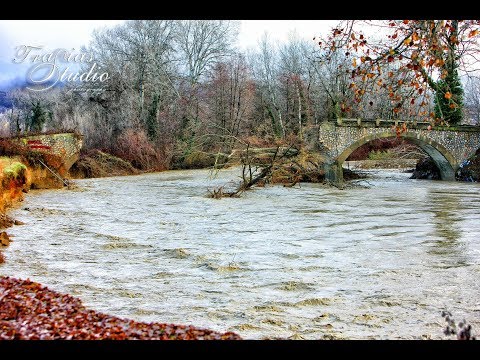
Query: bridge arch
column 442, row 158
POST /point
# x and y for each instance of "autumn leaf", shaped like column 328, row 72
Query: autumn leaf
column 390, row 58
column 337, row 32
column 353, row 36
column 354, row 62
column 473, row 33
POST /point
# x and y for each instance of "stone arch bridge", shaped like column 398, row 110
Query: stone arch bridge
column 447, row 146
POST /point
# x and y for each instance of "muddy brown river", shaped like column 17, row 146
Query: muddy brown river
column 380, row 259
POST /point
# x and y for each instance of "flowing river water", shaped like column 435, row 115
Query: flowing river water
column 379, row 260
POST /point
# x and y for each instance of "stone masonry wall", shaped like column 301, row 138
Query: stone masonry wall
column 65, row 145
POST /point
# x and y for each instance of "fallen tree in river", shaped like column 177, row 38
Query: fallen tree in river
column 286, row 165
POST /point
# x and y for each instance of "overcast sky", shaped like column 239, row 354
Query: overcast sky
column 72, row 34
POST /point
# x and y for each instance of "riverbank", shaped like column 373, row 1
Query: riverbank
column 96, row 163
column 21, row 170
column 15, row 179
column 31, row 311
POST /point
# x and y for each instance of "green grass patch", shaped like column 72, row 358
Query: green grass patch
column 14, row 169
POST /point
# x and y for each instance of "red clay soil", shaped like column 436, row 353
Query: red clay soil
column 31, row 311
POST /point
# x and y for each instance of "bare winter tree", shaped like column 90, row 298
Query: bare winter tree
column 472, row 100
column 230, row 95
column 203, row 43
column 297, row 79
column 265, row 70
column 333, row 83
column 138, row 56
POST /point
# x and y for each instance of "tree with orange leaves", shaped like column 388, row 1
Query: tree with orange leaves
column 414, row 61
